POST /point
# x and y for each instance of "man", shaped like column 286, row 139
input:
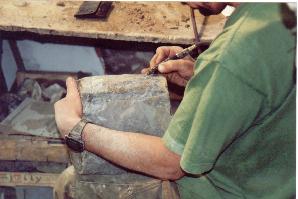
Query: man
column 233, row 135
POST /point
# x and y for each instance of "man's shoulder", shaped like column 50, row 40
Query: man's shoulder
column 237, row 34
column 253, row 26
column 259, row 44
column 255, row 46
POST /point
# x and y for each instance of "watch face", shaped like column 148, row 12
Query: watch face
column 75, row 145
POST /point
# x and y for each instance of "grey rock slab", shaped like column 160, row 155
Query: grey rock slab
column 132, row 103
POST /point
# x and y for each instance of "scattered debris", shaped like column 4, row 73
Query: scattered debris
column 54, row 92
column 60, row 3
column 39, row 91
column 139, row 14
column 184, row 18
column 30, row 88
column 150, row 20
column 20, row 3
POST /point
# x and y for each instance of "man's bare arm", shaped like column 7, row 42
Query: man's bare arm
column 139, row 152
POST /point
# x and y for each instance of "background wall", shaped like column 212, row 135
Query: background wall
column 51, row 57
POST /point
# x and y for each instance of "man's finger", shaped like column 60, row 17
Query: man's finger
column 71, row 87
column 144, row 70
column 162, row 53
column 183, row 67
column 167, row 51
column 153, row 60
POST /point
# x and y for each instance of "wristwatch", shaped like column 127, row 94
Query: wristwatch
column 74, row 139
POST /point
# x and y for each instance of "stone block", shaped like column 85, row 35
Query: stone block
column 133, row 103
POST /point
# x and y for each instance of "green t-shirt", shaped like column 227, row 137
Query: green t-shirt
column 235, row 128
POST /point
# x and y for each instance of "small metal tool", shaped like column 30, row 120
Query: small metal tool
column 180, row 55
column 94, row 9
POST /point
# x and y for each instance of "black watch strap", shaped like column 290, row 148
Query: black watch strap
column 74, row 138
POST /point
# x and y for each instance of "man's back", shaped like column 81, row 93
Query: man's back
column 237, row 121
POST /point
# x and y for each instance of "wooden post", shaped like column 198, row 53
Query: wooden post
column 3, row 87
column 17, row 55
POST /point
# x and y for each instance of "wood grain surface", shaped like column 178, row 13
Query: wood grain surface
column 165, row 22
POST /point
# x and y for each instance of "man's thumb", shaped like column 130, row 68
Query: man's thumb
column 162, row 68
column 71, row 87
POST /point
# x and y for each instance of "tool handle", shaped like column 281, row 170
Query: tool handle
column 180, row 55
column 154, row 69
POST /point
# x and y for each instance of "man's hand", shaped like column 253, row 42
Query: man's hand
column 68, row 111
column 176, row 71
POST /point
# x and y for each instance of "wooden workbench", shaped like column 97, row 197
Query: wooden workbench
column 155, row 22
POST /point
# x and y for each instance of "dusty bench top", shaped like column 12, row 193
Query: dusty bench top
column 155, row 22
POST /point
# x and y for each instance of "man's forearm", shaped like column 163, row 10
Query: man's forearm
column 139, row 152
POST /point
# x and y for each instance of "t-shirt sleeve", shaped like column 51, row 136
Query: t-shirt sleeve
column 217, row 108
